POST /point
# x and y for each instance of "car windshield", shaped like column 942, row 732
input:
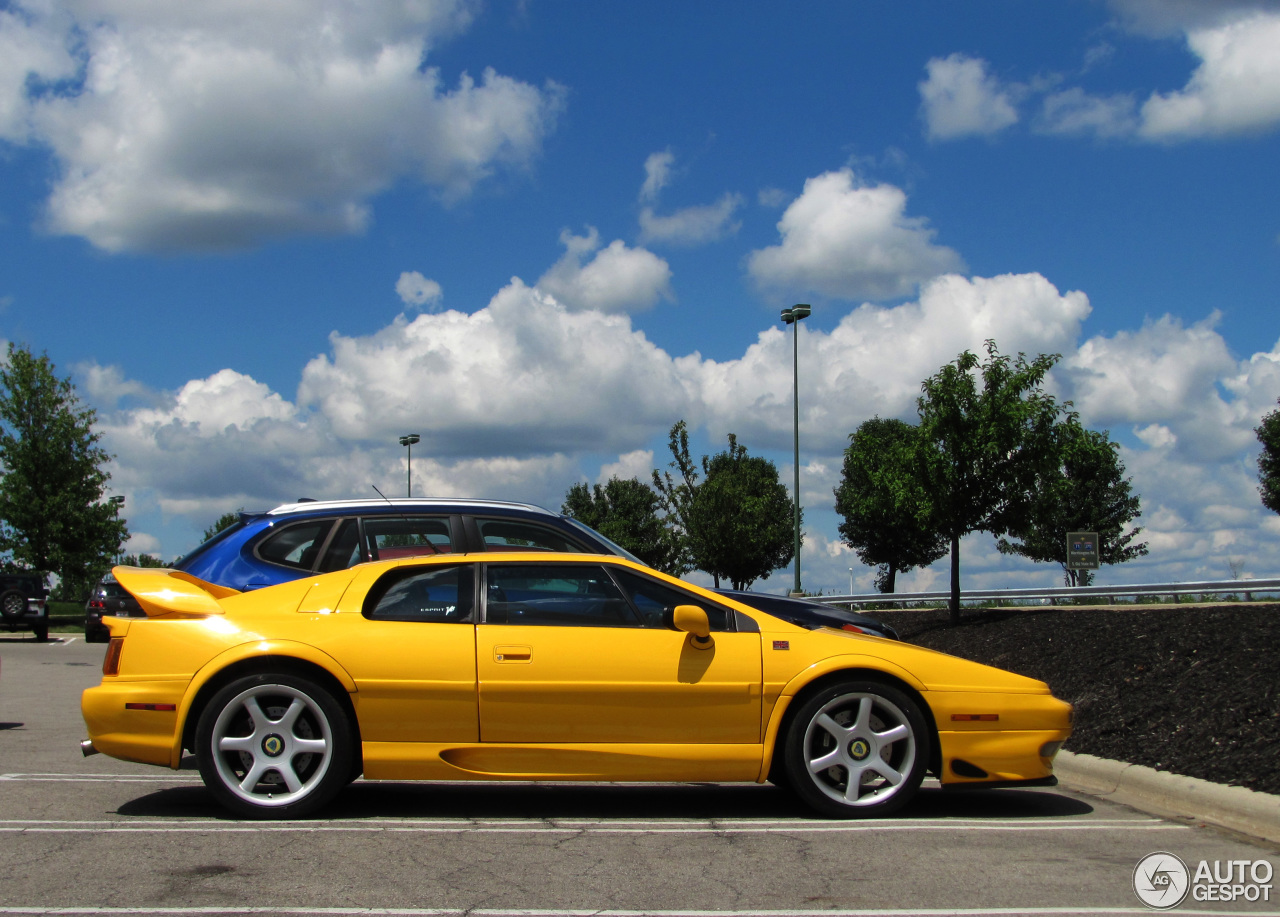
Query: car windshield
column 613, row 546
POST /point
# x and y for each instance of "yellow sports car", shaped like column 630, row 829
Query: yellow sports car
column 532, row 666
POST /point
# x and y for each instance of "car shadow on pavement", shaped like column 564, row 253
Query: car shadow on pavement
column 366, row 800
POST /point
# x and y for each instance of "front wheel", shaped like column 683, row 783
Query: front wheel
column 857, row 749
column 274, row 746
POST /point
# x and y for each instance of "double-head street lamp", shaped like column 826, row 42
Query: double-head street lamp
column 407, row 441
column 116, row 503
column 792, row 316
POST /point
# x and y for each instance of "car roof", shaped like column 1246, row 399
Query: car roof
column 434, row 503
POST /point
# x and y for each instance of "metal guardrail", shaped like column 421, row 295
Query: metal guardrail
column 1248, row 587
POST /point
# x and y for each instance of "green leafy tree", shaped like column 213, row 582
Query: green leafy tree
column 142, row 560
column 984, row 446
column 225, row 521
column 675, row 496
column 1084, row 490
column 626, row 512
column 884, row 503
column 741, row 527
column 1269, row 460
column 52, row 515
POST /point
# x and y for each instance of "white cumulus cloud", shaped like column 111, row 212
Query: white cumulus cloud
column 960, row 98
column 657, row 172
column 1235, row 89
column 692, row 225
column 219, row 124
column 848, row 240
column 615, row 278
column 417, row 290
column 522, row 375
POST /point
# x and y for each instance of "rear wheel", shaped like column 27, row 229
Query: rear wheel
column 274, row 746
column 857, row 749
column 41, row 630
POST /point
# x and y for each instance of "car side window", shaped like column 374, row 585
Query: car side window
column 439, row 594
column 297, row 545
column 657, row 601
column 389, row 537
column 515, row 535
column 344, row 547
column 557, row 595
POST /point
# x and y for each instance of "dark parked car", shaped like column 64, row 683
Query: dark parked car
column 108, row 598
column 23, row 603
column 812, row 615
column 299, row 539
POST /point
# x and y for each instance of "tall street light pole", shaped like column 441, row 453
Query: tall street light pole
column 116, row 503
column 407, row 441
column 792, row 317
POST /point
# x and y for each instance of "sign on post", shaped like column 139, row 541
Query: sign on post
column 1082, row 550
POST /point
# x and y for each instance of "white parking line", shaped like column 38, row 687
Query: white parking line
column 579, row 912
column 572, row 826
column 101, row 778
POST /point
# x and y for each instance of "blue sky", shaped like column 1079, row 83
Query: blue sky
column 268, row 240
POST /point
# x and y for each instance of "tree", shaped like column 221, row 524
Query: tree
column 741, row 527
column 885, row 506
column 1269, row 460
column 626, row 512
column 984, row 447
column 1084, row 490
column 142, row 560
column 675, row 496
column 225, row 521
column 52, row 515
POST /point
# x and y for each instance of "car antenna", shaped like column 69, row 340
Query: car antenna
column 403, row 517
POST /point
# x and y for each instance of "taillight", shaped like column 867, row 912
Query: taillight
column 95, row 603
column 856, row 629
column 111, row 664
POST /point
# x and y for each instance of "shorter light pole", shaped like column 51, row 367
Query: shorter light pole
column 792, row 317
column 851, row 581
column 407, row 441
column 116, row 503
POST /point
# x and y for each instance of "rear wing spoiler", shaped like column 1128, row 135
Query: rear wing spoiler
column 162, row 591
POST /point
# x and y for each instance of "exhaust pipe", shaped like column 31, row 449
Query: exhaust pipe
column 87, row 749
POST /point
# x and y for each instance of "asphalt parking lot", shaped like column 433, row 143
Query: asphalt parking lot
column 99, row 836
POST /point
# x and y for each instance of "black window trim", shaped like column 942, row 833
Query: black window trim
column 272, row 531
column 452, row 523
column 731, row 614
column 733, row 618
column 471, row 522
column 404, row 571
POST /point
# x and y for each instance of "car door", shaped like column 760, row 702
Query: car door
column 409, row 645
column 567, row 653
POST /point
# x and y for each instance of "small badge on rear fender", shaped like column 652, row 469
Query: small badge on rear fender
column 782, row 644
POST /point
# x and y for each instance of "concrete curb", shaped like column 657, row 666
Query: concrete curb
column 1162, row 793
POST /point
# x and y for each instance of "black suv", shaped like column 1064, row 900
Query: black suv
column 107, row 598
column 24, row 603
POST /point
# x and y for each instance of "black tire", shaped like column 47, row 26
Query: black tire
column 96, row 636
column 13, row 604
column 41, row 630
column 862, row 729
column 289, row 732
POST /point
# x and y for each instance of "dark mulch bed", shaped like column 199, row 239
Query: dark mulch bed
column 1190, row 690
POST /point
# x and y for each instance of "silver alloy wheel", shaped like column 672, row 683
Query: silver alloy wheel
column 272, row 745
column 859, row 749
